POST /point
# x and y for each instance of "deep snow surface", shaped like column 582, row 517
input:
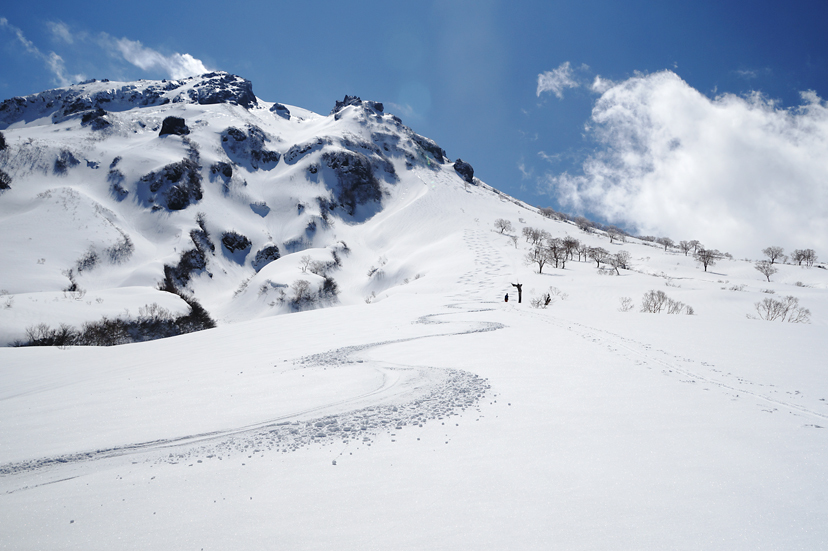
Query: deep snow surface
column 424, row 412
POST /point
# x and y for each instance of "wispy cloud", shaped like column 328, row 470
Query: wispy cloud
column 738, row 173
column 53, row 61
column 61, row 32
column 525, row 173
column 174, row 65
column 557, row 80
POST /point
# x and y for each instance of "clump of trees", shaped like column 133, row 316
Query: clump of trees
column 655, row 302
column 153, row 322
column 806, row 256
column 782, row 309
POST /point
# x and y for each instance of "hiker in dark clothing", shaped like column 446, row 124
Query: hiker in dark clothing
column 507, row 297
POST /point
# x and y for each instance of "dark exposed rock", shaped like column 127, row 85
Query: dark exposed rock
column 225, row 169
column 178, row 276
column 174, row 125
column 357, row 184
column 201, row 237
column 465, row 170
column 116, row 179
column 5, row 180
column 175, row 186
column 64, row 162
column 300, row 150
column 233, row 241
column 2, row 142
column 356, row 101
column 265, row 256
column 248, row 146
column 281, row 111
column 96, row 119
column 224, row 88
column 431, row 147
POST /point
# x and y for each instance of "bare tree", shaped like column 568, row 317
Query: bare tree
column 584, row 224
column 538, row 255
column 619, row 260
column 685, row 247
column 583, row 250
column 666, row 241
column 598, row 254
column 503, row 225
column 519, row 287
column 613, row 233
column 556, row 251
column 773, row 253
column 696, row 245
column 706, row 257
column 304, row 263
column 571, row 246
column 808, row 256
column 765, row 268
column 514, row 239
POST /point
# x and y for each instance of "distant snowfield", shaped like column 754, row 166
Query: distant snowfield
column 472, row 423
column 419, row 410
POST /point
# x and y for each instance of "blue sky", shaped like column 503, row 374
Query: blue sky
column 467, row 74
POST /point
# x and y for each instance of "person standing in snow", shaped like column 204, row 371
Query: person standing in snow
column 507, row 297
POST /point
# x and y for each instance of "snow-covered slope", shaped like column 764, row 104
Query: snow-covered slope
column 111, row 182
column 422, row 411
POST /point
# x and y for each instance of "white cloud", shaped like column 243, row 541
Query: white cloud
column 60, row 31
column 601, row 85
column 557, row 80
column 52, row 60
column 175, row 65
column 737, row 173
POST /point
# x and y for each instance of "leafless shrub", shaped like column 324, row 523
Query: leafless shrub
column 784, row 309
column 626, row 304
column 656, row 301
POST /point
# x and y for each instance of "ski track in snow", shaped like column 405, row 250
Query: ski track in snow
column 646, row 356
column 432, row 394
column 414, row 396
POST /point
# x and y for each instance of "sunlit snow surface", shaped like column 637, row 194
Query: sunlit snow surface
column 424, row 412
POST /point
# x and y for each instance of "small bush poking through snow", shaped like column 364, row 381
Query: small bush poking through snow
column 784, row 309
column 654, row 302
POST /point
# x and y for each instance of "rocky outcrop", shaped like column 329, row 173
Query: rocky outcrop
column 233, row 241
column 65, row 160
column 174, row 187
column 248, row 147
column 265, row 256
column 300, row 150
column 374, row 106
column 223, row 88
column 174, row 125
column 430, row 146
column 465, row 170
column 280, row 110
column 356, row 182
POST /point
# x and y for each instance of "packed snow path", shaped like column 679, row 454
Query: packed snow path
column 407, row 396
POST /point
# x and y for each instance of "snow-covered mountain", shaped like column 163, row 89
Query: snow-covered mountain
column 117, row 188
column 400, row 402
